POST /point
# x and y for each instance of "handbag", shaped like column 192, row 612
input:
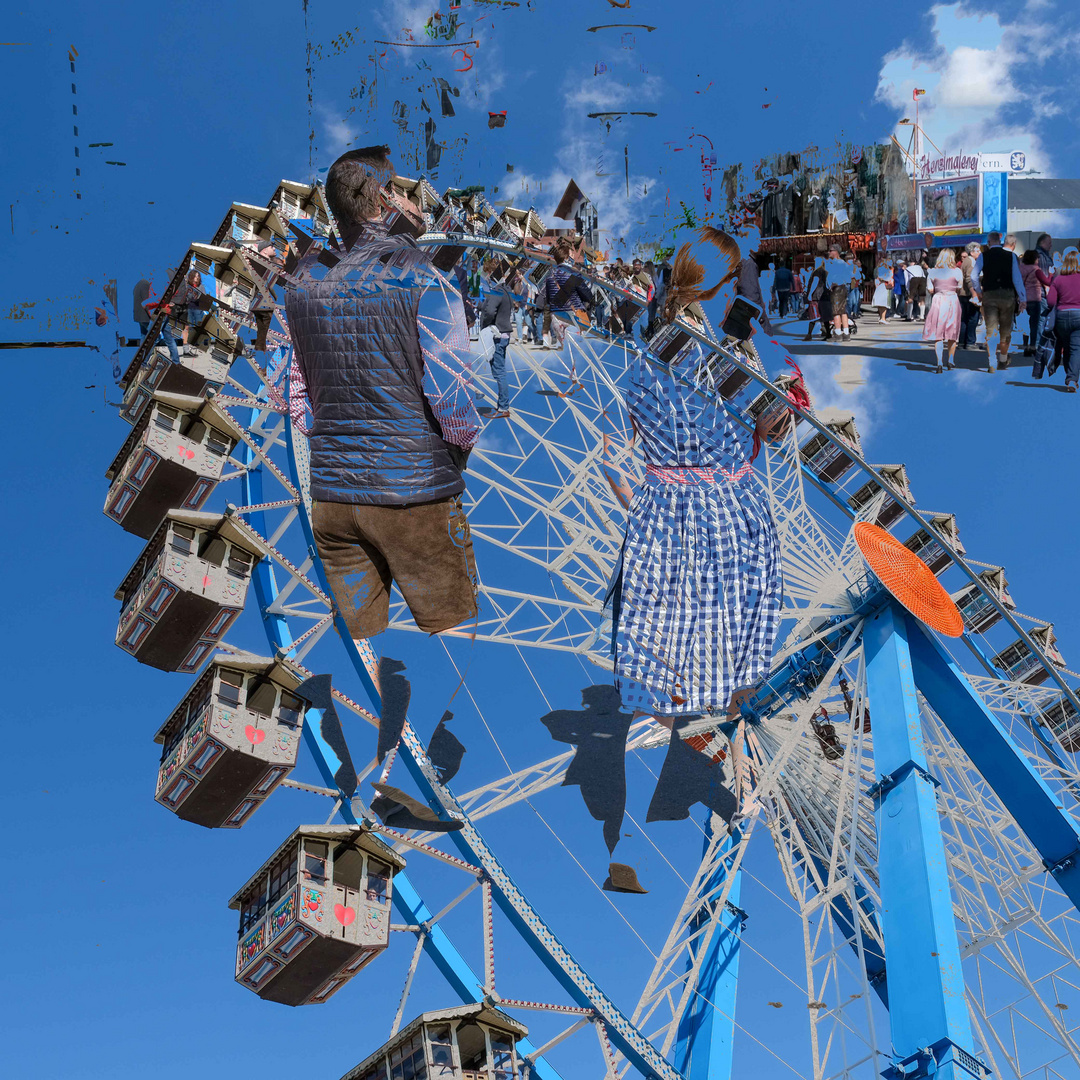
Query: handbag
column 1044, row 354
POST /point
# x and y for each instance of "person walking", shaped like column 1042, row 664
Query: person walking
column 900, row 291
column 697, row 596
column 916, row 286
column 819, row 307
column 748, row 279
column 1048, row 263
column 565, row 293
column 838, row 278
column 884, row 278
column 783, row 286
column 1029, row 271
column 942, row 323
column 970, row 311
column 1063, row 297
column 1000, row 289
column 496, row 311
column 768, row 287
column 798, row 289
column 382, row 355
column 854, row 304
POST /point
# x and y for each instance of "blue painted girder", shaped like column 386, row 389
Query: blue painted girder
column 1024, row 793
column 706, row 1033
column 927, row 1005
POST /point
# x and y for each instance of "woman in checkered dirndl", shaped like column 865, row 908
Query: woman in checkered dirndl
column 696, row 613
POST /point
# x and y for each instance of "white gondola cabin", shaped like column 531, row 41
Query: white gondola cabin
column 769, row 404
column 1020, row 664
column 514, row 226
column 400, row 215
column 293, row 200
column 825, row 458
column 231, row 741
column 470, row 1042
column 727, row 377
column 246, row 224
column 929, row 546
column 193, row 376
column 1062, row 719
column 186, row 589
column 422, row 196
column 976, row 608
column 895, row 477
column 672, row 343
column 173, row 458
column 315, row 913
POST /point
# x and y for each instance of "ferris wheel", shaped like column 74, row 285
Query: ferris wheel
column 915, row 779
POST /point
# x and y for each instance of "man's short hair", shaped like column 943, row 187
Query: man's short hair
column 993, row 238
column 560, row 250
column 353, row 183
column 834, row 251
column 1009, row 241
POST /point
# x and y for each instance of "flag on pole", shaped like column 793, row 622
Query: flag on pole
column 916, row 94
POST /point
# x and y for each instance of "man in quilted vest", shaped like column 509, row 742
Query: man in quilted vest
column 382, row 355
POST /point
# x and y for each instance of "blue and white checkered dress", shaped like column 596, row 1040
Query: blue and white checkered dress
column 701, row 578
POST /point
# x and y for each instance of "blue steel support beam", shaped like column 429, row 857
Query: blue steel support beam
column 928, row 1014
column 706, row 1036
column 406, row 900
column 1015, row 782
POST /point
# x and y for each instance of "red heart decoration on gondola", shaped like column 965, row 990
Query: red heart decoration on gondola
column 189, row 454
column 255, row 736
column 344, row 915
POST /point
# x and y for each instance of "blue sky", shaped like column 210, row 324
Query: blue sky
column 205, row 104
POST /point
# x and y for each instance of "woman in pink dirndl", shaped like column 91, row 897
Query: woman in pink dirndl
column 942, row 323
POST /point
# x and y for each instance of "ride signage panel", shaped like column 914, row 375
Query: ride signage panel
column 1014, row 162
column 954, row 203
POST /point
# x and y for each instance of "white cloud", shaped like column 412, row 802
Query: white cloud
column 841, row 381
column 601, row 93
column 987, row 88
column 335, row 134
column 977, row 384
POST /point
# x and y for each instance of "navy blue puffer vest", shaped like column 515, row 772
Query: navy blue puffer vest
column 374, row 439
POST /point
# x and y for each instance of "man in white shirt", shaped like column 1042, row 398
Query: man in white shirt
column 916, row 286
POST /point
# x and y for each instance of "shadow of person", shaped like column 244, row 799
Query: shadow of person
column 686, row 778
column 599, row 765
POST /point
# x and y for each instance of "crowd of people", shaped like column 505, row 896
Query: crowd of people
column 1038, row 293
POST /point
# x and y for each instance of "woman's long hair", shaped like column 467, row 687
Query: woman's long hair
column 1070, row 264
column 687, row 273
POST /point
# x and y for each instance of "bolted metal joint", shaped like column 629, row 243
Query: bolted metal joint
column 890, row 780
column 928, row 1061
column 1059, row 867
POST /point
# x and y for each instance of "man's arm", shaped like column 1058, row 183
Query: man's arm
column 444, row 342
column 976, row 275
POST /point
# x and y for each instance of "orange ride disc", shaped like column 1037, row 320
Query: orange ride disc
column 909, row 579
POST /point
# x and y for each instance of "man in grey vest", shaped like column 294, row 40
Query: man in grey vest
column 1000, row 287
column 382, row 355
